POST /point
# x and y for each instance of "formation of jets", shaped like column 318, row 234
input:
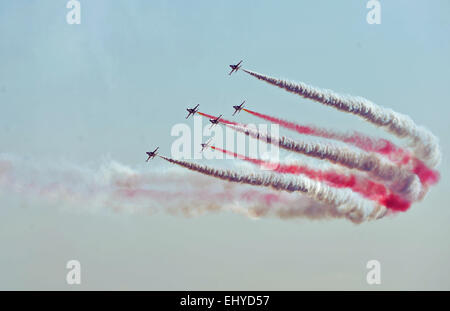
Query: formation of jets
column 193, row 111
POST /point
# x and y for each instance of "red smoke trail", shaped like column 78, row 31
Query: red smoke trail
column 426, row 175
column 359, row 140
column 222, row 120
column 218, row 197
column 384, row 147
column 367, row 188
column 425, row 144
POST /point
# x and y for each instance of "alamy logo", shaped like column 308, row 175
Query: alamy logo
column 73, row 277
column 74, row 15
column 374, row 274
column 225, row 142
column 374, row 15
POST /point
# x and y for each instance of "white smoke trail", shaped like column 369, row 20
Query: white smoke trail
column 342, row 202
column 114, row 187
column 423, row 142
column 399, row 180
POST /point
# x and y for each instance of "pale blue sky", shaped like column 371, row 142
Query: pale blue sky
column 116, row 84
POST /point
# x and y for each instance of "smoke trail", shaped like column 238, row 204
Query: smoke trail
column 424, row 143
column 359, row 140
column 426, row 175
column 114, row 187
column 399, row 180
column 367, row 188
column 343, row 201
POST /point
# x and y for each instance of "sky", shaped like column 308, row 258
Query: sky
column 116, row 84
